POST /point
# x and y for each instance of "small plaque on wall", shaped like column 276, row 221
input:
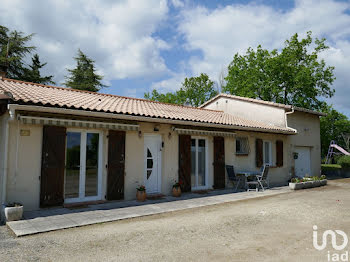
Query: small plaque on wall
column 25, row 132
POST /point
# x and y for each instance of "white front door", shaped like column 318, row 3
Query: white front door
column 302, row 162
column 153, row 163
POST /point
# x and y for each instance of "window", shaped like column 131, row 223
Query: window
column 83, row 171
column 199, row 163
column 267, row 155
column 242, row 146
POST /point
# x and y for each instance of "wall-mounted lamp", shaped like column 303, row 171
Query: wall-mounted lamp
column 156, row 128
column 169, row 135
column 140, row 134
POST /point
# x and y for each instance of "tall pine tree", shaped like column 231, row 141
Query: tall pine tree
column 84, row 76
column 13, row 49
column 32, row 74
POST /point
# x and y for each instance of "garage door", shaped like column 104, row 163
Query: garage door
column 302, row 162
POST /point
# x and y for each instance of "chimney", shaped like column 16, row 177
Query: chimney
column 2, row 74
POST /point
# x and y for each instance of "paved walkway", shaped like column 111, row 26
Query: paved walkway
column 60, row 218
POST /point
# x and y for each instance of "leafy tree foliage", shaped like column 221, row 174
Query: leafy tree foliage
column 84, row 76
column 332, row 127
column 32, row 74
column 194, row 91
column 295, row 75
column 13, row 49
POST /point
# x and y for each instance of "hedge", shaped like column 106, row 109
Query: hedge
column 344, row 161
column 330, row 167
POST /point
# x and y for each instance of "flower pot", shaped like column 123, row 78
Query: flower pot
column 317, row 183
column 13, row 213
column 296, row 186
column 323, row 182
column 176, row 191
column 308, row 184
column 141, row 195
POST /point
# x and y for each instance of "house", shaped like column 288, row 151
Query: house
column 61, row 146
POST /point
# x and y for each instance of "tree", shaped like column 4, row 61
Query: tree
column 295, row 75
column 32, row 74
column 84, row 76
column 332, row 127
column 13, row 49
column 194, row 91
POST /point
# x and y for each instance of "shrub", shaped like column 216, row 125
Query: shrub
column 344, row 161
column 330, row 167
column 307, row 179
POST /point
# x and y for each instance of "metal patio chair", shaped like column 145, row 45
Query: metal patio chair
column 232, row 176
column 260, row 180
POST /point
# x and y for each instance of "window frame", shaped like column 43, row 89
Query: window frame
column 242, row 153
column 270, row 152
column 206, row 186
column 82, row 169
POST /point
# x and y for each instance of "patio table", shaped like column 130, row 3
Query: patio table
column 247, row 174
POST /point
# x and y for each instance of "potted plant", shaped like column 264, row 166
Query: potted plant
column 307, row 182
column 141, row 193
column 13, row 211
column 177, row 189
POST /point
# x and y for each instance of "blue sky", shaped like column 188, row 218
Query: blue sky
column 140, row 45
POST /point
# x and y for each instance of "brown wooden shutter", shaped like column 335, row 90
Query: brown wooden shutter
column 185, row 162
column 279, row 153
column 116, row 165
column 219, row 162
column 52, row 166
column 259, row 152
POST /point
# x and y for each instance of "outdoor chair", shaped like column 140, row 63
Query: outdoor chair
column 232, row 176
column 261, row 179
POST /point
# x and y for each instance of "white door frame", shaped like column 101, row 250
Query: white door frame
column 196, row 187
column 82, row 177
column 159, row 162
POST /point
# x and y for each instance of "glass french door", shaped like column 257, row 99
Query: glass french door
column 199, row 163
column 83, row 172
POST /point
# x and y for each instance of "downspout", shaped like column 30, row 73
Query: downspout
column 285, row 116
column 285, row 119
column 5, row 168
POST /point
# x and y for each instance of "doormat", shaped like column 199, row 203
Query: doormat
column 77, row 207
column 201, row 192
column 155, row 197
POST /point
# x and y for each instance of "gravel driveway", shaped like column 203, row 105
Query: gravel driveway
column 277, row 228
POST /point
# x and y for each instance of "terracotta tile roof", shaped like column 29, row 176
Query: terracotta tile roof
column 258, row 101
column 43, row 95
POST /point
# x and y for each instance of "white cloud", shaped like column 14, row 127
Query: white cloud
column 117, row 34
column 177, row 3
column 170, row 84
column 222, row 32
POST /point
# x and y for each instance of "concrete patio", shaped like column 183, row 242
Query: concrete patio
column 61, row 218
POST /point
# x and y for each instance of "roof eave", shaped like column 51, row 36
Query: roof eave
column 262, row 102
column 143, row 118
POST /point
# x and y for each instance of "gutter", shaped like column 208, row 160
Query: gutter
column 140, row 118
column 11, row 117
column 285, row 118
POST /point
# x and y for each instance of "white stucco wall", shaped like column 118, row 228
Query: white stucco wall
column 308, row 127
column 249, row 110
column 134, row 158
column 134, row 161
column 277, row 175
column 24, row 165
column 2, row 150
column 23, row 185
